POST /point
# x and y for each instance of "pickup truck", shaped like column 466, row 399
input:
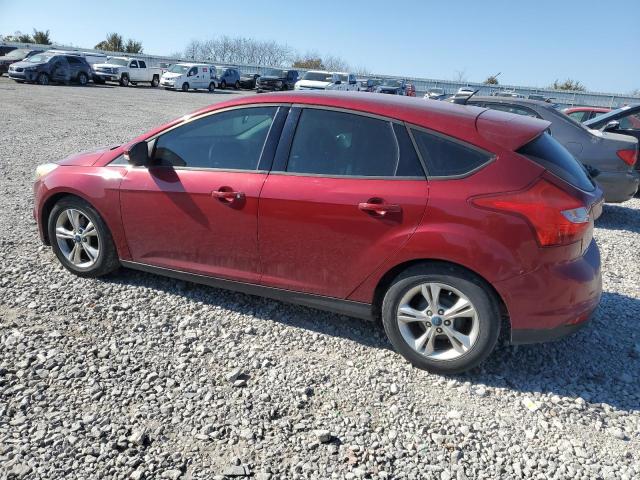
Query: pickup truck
column 126, row 71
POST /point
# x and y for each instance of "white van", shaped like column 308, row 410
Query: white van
column 190, row 76
column 323, row 80
column 92, row 58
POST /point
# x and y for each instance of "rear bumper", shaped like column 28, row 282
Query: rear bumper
column 554, row 300
column 618, row 186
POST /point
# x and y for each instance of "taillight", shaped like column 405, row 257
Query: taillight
column 556, row 217
column 630, row 157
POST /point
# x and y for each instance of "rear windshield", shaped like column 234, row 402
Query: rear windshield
column 549, row 153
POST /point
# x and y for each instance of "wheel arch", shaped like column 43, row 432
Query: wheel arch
column 387, row 279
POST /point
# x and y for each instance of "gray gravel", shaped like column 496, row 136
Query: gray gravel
column 136, row 376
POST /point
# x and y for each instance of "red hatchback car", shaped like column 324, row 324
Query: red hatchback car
column 442, row 220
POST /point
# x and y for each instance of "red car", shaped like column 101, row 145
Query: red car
column 442, row 220
column 582, row 114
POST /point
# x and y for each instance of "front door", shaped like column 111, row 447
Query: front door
column 344, row 197
column 195, row 208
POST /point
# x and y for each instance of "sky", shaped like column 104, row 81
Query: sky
column 530, row 43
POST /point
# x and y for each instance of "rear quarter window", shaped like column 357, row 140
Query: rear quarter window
column 549, row 153
column 445, row 157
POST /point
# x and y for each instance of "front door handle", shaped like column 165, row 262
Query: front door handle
column 378, row 207
column 227, row 195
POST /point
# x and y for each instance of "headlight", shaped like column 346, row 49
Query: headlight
column 279, row 83
column 45, row 169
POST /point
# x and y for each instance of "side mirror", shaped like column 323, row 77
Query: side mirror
column 611, row 125
column 138, row 155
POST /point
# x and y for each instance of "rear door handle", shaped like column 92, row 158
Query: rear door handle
column 379, row 208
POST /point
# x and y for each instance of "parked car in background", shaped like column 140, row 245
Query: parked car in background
column 249, row 80
column 507, row 93
column 190, row 76
column 90, row 57
column 582, row 114
column 228, row 76
column 612, row 155
column 624, row 121
column 46, row 67
column 15, row 55
column 370, row 84
column 343, row 222
column 125, row 71
column 276, row 79
column 435, row 94
column 393, row 86
column 539, row 97
column 4, row 49
column 465, row 91
column 323, row 80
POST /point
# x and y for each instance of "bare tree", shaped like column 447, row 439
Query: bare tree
column 461, row 76
column 335, row 64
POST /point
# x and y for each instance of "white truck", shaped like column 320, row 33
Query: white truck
column 190, row 76
column 323, row 80
column 125, row 71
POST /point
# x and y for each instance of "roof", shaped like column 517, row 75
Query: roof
column 459, row 121
column 586, row 109
column 512, row 100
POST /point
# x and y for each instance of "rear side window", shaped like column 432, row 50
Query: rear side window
column 549, row 153
column 448, row 158
column 333, row 143
column 142, row 64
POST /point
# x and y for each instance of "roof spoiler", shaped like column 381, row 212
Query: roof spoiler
column 509, row 130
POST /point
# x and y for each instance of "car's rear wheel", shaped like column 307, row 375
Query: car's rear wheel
column 236, row 86
column 83, row 79
column 185, row 87
column 212, row 87
column 43, row 79
column 80, row 238
column 441, row 318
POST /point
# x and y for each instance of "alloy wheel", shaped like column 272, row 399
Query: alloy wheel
column 438, row 321
column 77, row 238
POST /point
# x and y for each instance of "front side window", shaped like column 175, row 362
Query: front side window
column 447, row 157
column 226, row 140
column 193, row 71
column 133, row 64
column 579, row 116
column 73, row 60
column 334, row 143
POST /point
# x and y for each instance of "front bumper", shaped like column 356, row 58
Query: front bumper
column 554, row 300
column 269, row 87
column 107, row 77
column 166, row 84
column 24, row 76
column 618, row 186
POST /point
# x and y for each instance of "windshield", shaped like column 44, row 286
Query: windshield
column 117, row 61
column 178, row 68
column 604, row 118
column 17, row 54
column 41, row 58
column 392, row 83
column 317, row 76
column 276, row 73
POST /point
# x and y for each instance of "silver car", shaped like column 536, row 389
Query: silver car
column 603, row 151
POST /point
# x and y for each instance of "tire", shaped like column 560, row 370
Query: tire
column 236, row 86
column 212, row 87
column 155, row 82
column 480, row 330
column 83, row 79
column 185, row 87
column 284, row 87
column 223, row 85
column 124, row 81
column 42, row 79
column 99, row 243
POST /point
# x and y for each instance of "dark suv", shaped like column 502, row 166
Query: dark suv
column 45, row 68
column 14, row 56
column 276, row 79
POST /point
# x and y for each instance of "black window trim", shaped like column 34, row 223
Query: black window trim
column 288, row 133
column 492, row 156
column 265, row 161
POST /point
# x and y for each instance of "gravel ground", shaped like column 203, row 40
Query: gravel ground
column 137, row 376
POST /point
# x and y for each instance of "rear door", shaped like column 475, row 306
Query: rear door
column 195, row 208
column 143, row 73
column 346, row 191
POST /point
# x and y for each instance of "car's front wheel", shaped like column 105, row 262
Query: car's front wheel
column 212, row 87
column 80, row 238
column 441, row 318
column 155, row 81
column 83, row 79
column 185, row 87
column 43, row 79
